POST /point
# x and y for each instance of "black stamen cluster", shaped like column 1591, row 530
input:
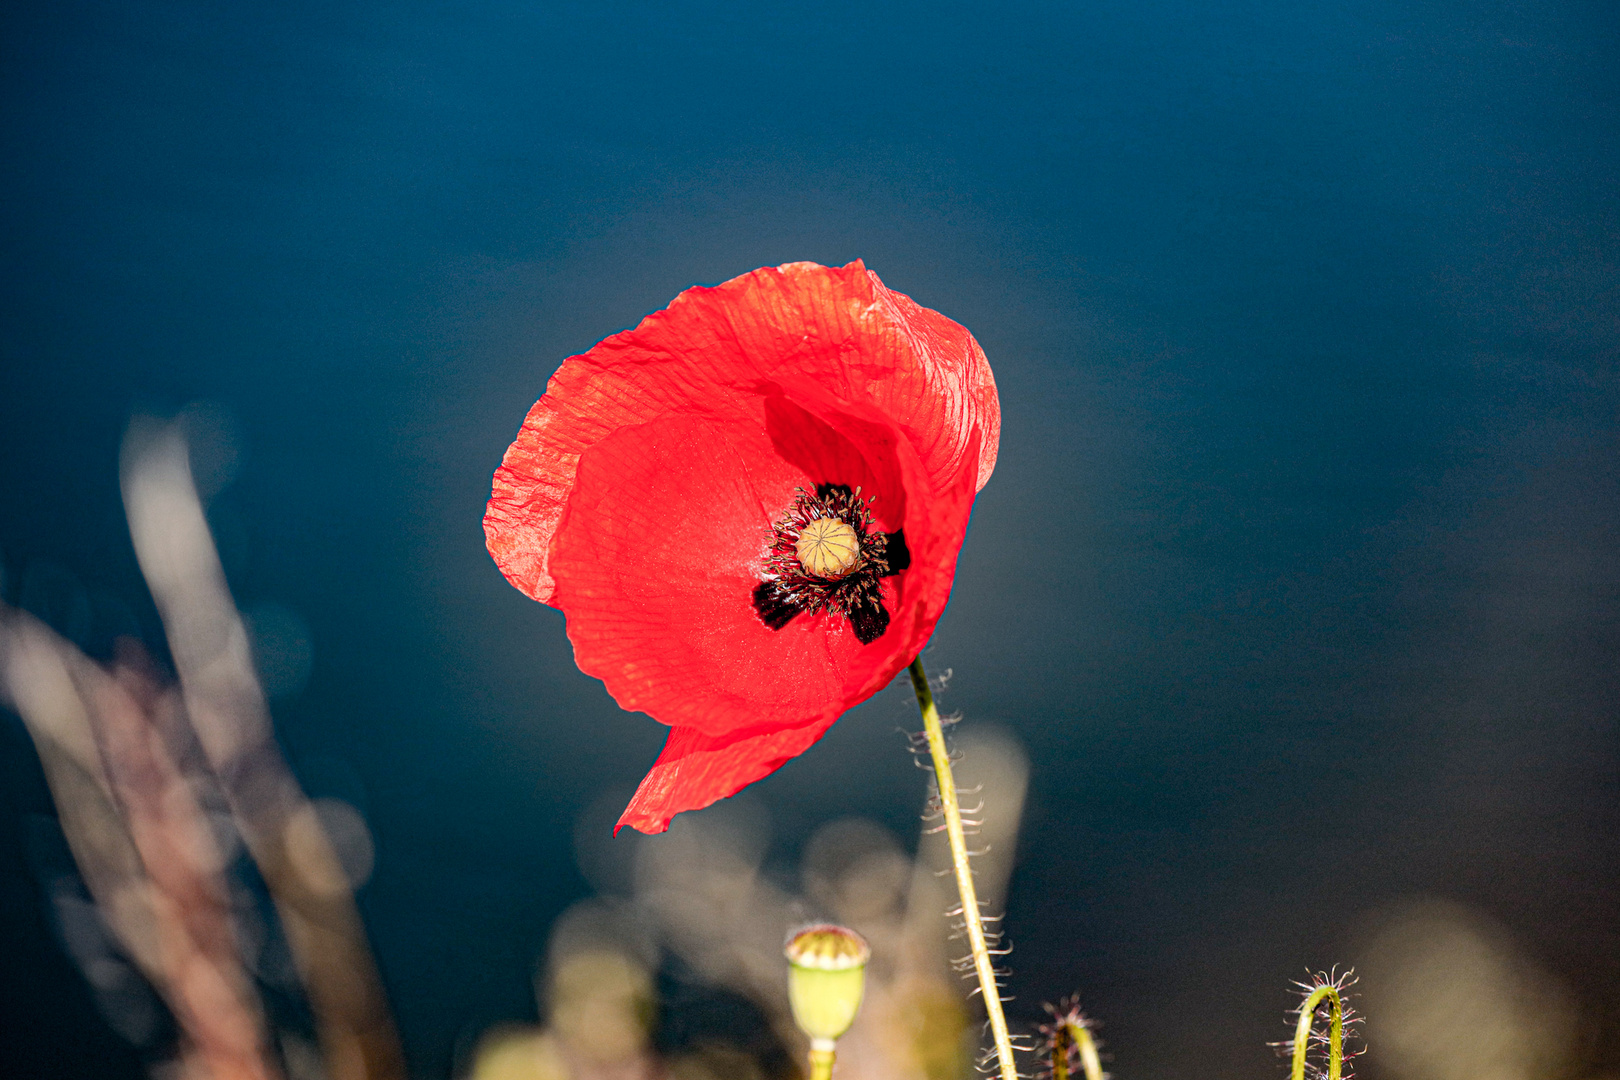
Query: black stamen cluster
column 788, row 589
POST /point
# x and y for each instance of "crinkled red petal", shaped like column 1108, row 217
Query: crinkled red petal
column 695, row 770
column 838, row 328
column 665, row 537
column 659, row 552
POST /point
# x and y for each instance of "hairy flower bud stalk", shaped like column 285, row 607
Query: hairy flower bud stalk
column 1068, row 1033
column 1302, row 1031
column 826, row 978
column 1329, row 991
column 972, row 917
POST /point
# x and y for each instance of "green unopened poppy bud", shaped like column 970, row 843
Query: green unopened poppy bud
column 826, row 978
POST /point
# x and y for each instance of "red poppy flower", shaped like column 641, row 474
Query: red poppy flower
column 749, row 507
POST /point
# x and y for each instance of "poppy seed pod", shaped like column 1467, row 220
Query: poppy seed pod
column 826, row 977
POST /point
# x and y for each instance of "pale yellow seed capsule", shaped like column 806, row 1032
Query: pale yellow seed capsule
column 826, row 977
column 828, row 548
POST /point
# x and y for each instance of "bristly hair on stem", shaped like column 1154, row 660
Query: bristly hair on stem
column 1323, row 1051
column 983, row 944
column 1069, row 1043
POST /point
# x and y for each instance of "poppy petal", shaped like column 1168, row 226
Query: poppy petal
column 662, row 546
column 839, row 328
column 845, row 330
column 695, row 770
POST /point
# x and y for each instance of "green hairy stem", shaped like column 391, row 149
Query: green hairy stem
column 1072, row 1033
column 972, row 918
column 1302, row 1032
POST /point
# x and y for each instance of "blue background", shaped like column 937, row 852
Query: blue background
column 1297, row 575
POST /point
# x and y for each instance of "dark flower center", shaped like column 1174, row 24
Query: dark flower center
column 826, row 555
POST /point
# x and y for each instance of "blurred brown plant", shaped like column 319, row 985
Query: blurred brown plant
column 136, row 767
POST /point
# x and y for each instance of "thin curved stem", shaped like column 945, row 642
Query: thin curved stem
column 971, row 916
column 1302, row 1032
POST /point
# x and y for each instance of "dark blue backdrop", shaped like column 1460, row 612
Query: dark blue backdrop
column 1297, row 574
